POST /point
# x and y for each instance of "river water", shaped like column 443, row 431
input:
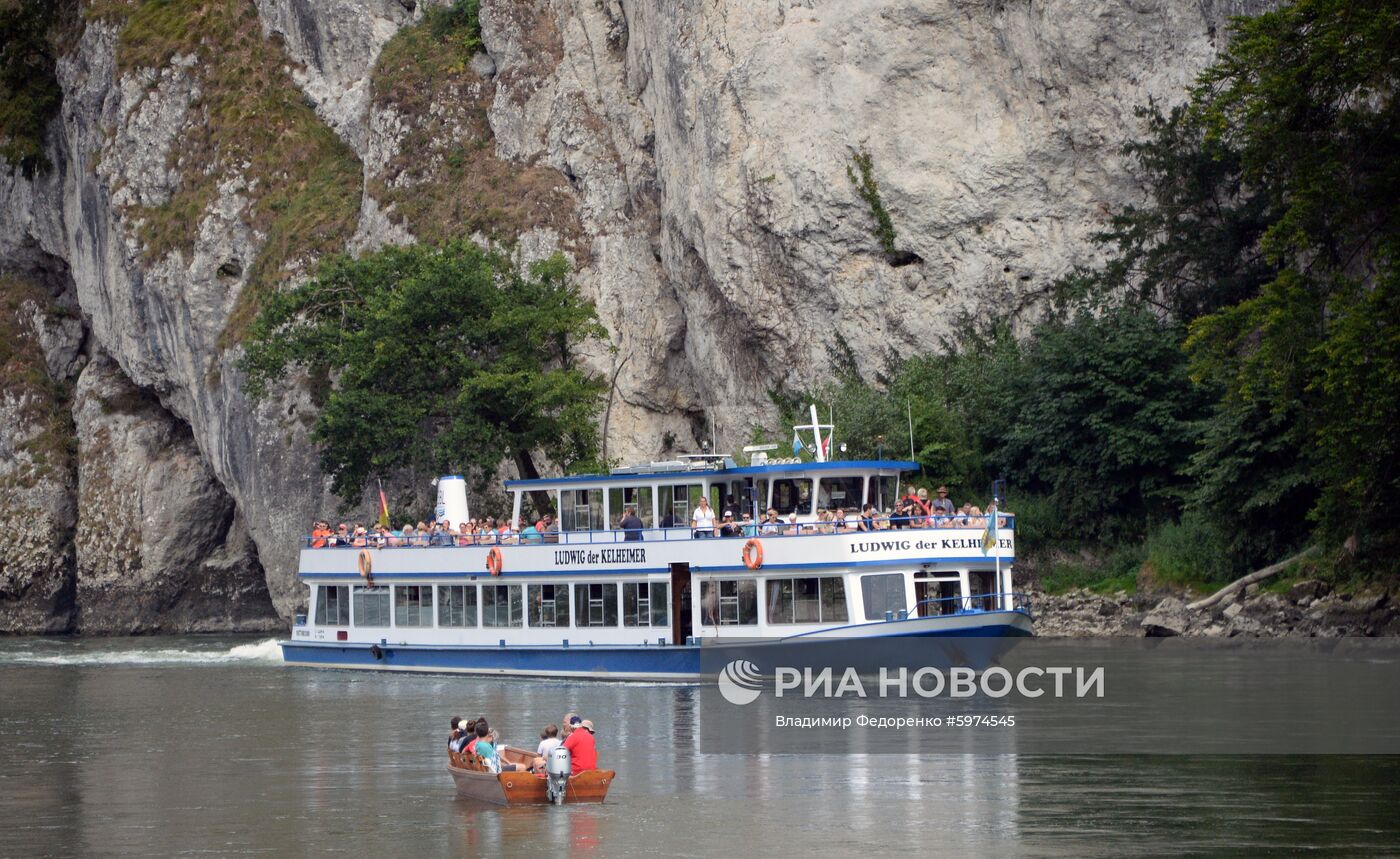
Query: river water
column 180, row 746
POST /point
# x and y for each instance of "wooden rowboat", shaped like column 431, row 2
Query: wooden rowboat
column 475, row 781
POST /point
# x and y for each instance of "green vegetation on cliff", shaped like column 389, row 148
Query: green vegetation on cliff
column 303, row 184
column 1224, row 390
column 443, row 359
column 29, row 92
column 445, row 179
column 37, row 403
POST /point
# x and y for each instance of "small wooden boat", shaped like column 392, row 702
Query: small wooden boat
column 475, row 781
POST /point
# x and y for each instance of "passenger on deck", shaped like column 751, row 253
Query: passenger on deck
column 341, row 537
column 529, row 532
column 454, row 734
column 486, row 748
column 838, row 520
column 729, row 528
column 361, row 538
column 702, row 521
column 320, row 533
column 867, row 519
column 793, row 526
column 631, row 524
column 771, row 526
column 942, row 505
column 550, row 529
column 748, row 526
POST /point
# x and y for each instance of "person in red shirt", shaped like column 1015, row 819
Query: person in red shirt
column 582, row 750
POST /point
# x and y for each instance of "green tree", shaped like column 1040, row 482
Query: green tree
column 29, row 92
column 440, row 358
column 1106, row 418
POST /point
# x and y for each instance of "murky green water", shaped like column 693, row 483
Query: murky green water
column 209, row 746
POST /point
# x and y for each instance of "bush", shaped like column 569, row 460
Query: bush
column 1191, row 551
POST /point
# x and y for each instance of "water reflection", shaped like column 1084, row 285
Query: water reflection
column 124, row 759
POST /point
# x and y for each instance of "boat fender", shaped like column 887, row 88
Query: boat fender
column 753, row 554
column 493, row 561
column 376, row 651
column 366, row 567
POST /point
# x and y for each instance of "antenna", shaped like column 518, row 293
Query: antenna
column 909, row 410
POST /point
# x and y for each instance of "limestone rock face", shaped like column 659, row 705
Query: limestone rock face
column 699, row 154
column 160, row 545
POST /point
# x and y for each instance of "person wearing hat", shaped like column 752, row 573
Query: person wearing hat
column 942, row 505
column 582, row 750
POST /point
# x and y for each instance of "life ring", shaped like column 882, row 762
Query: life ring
column 753, row 554
column 366, row 564
column 493, row 561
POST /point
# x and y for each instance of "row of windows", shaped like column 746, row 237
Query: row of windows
column 723, row 602
column 502, row 606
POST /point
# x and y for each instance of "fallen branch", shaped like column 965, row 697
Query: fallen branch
column 1242, row 583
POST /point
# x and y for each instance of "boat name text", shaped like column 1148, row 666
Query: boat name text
column 601, row 556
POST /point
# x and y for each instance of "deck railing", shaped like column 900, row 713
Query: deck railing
column 762, row 530
column 971, row 604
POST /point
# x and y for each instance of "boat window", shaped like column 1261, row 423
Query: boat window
column 413, row 605
column 332, row 605
column 549, row 605
column 582, row 510
column 981, row 590
column 595, row 605
column 882, row 592
column 620, row 498
column 729, row 602
column 882, row 492
column 938, row 597
column 500, row 605
column 806, row 600
column 793, row 494
column 457, row 605
column 836, row 492
column 678, row 501
column 645, row 604
column 371, row 606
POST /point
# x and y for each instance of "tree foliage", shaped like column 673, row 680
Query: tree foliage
column 30, row 95
column 439, row 359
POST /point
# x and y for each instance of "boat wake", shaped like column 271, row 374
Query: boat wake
column 261, row 651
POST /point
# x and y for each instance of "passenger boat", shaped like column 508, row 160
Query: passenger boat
column 475, row 781
column 593, row 601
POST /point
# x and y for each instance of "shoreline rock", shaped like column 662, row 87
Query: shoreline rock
column 1309, row 610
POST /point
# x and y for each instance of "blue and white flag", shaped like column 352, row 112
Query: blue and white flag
column 989, row 536
column 796, row 443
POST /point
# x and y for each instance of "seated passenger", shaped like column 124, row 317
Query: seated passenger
column 341, row 537
column 486, row 746
column 867, row 519
column 486, row 534
column 728, row 528
column 529, row 533
column 824, row 525
column 422, row 534
column 361, row 538
column 838, row 520
column 507, row 534
column 320, row 533
column 748, row 526
column 582, row 749
column 550, row 531
column 793, row 526
column 454, row 734
column 549, row 741
column 771, row 526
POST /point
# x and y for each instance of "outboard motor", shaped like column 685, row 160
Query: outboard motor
column 558, row 766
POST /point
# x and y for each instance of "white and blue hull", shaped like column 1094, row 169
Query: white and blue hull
column 622, row 662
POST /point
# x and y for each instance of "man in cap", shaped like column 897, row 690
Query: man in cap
column 582, row 750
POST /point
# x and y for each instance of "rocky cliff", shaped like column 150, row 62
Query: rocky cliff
column 696, row 159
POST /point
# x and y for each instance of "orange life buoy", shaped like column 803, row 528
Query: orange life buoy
column 493, row 561
column 366, row 567
column 753, row 554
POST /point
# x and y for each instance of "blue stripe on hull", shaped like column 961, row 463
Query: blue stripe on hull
column 664, row 663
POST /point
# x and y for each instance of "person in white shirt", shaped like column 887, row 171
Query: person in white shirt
column 703, row 519
column 549, row 741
